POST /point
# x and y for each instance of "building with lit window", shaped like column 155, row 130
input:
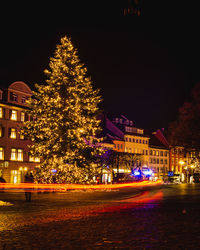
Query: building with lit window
column 14, row 159
column 158, row 157
column 135, row 140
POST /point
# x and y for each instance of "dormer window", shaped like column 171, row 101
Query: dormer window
column 24, row 99
column 13, row 97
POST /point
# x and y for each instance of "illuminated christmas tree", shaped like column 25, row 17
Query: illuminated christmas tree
column 63, row 127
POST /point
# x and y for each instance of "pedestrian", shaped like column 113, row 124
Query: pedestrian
column 28, row 178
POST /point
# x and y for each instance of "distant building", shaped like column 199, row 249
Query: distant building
column 158, row 156
column 135, row 140
column 14, row 159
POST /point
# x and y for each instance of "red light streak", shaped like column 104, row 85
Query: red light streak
column 64, row 187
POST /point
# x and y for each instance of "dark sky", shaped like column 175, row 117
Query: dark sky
column 144, row 65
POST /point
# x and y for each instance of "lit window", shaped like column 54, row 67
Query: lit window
column 13, row 133
column 34, row 159
column 1, row 112
column 1, row 153
column 37, row 159
column 22, row 117
column 21, row 136
column 1, row 131
column 13, row 154
column 13, row 115
column 20, row 155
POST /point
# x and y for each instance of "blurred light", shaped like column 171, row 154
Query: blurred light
column 64, row 187
column 136, row 173
column 147, row 172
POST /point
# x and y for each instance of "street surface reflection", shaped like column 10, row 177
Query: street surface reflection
column 160, row 217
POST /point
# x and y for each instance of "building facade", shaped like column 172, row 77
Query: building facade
column 14, row 159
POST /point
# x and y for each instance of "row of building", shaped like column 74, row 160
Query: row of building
column 120, row 135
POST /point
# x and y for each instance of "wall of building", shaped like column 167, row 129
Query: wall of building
column 14, row 159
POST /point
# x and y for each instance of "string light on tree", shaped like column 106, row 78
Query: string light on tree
column 64, row 125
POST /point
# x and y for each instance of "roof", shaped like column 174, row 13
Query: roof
column 156, row 143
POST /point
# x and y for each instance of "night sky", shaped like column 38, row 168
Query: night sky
column 145, row 65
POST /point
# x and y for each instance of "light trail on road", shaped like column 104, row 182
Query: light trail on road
column 32, row 187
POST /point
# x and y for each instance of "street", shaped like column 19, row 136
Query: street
column 160, row 217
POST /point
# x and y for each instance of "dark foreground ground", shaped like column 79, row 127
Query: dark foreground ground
column 164, row 217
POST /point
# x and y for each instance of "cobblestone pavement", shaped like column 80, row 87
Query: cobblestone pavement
column 167, row 217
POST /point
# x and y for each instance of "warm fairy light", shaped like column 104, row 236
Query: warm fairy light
column 64, row 187
column 64, row 127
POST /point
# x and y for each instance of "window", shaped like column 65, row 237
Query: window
column 22, row 117
column 23, row 99
column 1, row 131
column 13, row 133
column 150, row 152
column 13, row 116
column 13, row 97
column 157, row 152
column 34, row 159
column 121, row 146
column 21, row 137
column 13, row 154
column 16, row 154
column 133, row 140
column 20, row 155
column 129, row 139
column 161, row 153
column 1, row 112
column 1, row 153
column 140, row 131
